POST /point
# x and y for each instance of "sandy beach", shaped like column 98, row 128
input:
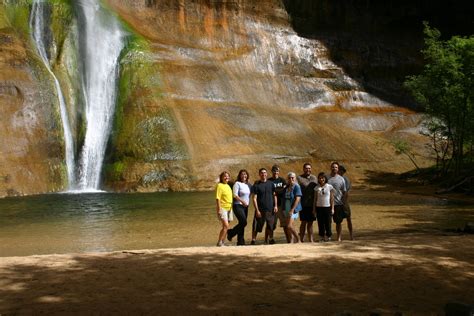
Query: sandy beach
column 407, row 259
column 394, row 273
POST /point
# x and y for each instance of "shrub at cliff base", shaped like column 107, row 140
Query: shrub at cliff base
column 446, row 89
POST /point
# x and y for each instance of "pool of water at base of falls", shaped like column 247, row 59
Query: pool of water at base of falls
column 64, row 223
column 74, row 223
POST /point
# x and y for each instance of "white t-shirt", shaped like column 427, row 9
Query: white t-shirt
column 242, row 190
column 324, row 195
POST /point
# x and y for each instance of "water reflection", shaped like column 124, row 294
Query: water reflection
column 59, row 223
column 64, row 223
column 96, row 226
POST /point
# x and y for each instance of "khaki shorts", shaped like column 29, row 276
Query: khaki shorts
column 347, row 210
column 283, row 217
column 226, row 215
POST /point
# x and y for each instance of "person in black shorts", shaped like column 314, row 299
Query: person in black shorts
column 339, row 186
column 347, row 207
column 265, row 203
column 307, row 182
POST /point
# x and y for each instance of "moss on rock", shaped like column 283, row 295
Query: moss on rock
column 16, row 16
column 144, row 134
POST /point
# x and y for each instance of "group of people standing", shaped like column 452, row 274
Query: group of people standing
column 323, row 199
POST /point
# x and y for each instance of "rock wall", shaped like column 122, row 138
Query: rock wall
column 31, row 136
column 241, row 89
column 30, row 143
column 211, row 85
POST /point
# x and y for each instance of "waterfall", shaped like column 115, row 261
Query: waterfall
column 101, row 40
column 38, row 26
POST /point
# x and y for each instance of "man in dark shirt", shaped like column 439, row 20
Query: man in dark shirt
column 265, row 203
column 279, row 183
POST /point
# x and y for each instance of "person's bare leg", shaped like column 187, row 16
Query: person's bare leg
column 339, row 231
column 223, row 232
column 292, row 232
column 270, row 234
column 302, row 230
column 310, row 231
column 254, row 235
column 267, row 233
column 349, row 227
column 287, row 234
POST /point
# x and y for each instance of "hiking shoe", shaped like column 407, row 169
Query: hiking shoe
column 321, row 239
column 252, row 242
column 220, row 243
column 272, row 241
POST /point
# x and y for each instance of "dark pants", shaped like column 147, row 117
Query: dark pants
column 267, row 217
column 241, row 213
column 324, row 221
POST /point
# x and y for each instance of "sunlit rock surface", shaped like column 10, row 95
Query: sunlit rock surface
column 204, row 86
column 246, row 91
column 31, row 151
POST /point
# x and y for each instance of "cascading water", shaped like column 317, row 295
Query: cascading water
column 38, row 26
column 101, row 41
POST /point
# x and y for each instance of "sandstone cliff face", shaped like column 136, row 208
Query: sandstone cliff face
column 204, row 86
column 30, row 146
column 243, row 90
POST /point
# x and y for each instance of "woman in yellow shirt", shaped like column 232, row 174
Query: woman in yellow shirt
column 223, row 205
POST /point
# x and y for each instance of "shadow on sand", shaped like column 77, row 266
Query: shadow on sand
column 408, row 274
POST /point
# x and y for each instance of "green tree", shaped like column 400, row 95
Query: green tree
column 440, row 143
column 445, row 88
column 402, row 147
